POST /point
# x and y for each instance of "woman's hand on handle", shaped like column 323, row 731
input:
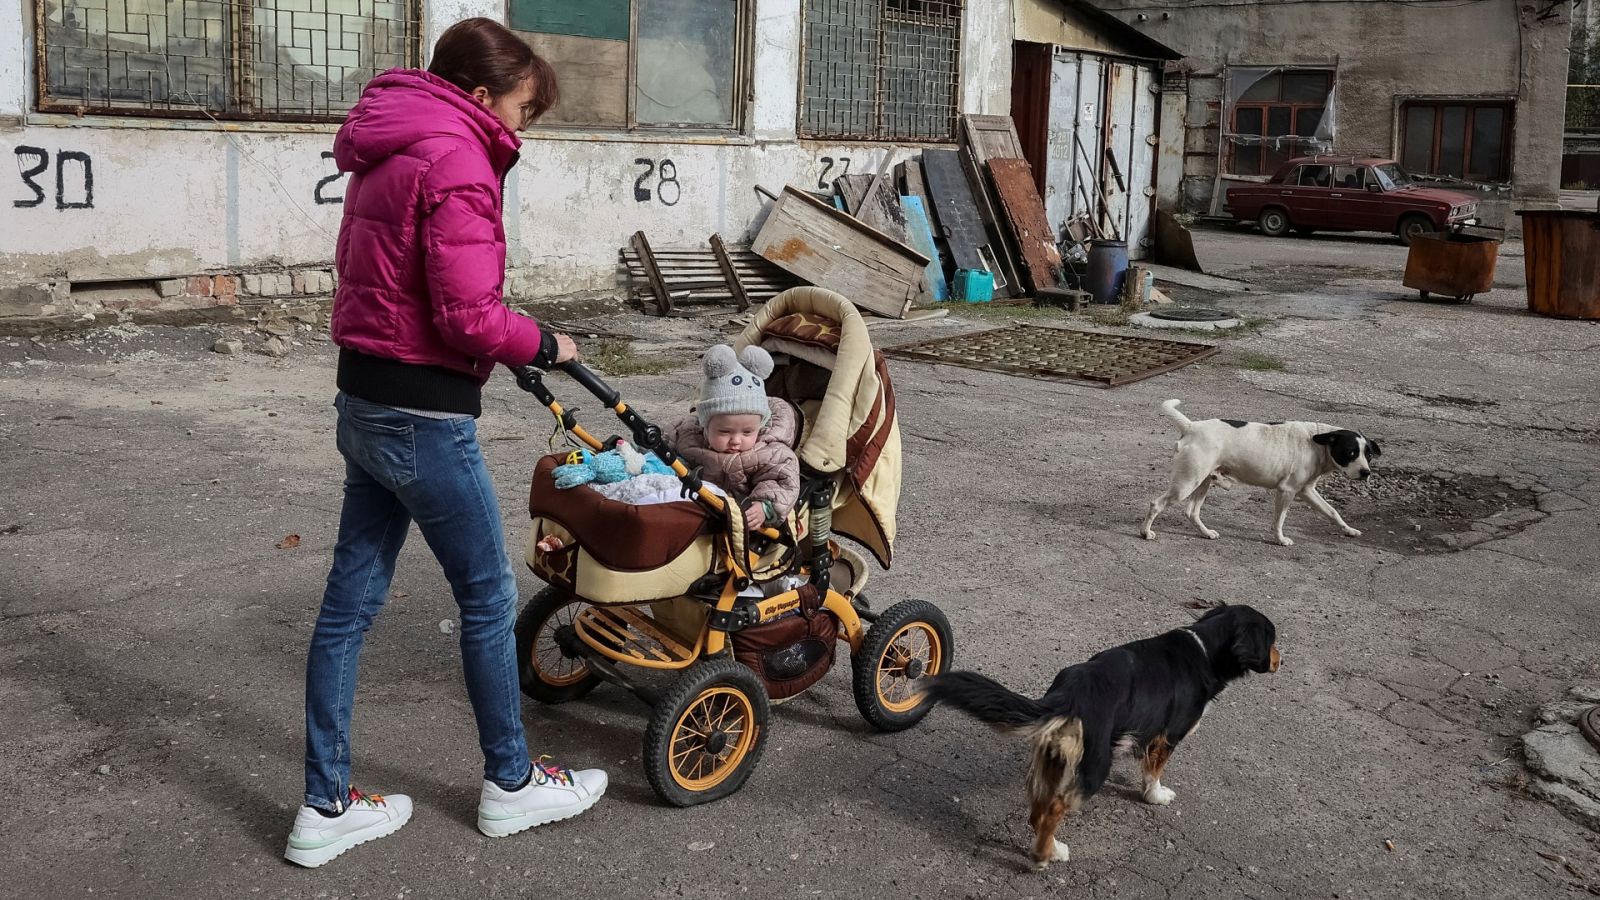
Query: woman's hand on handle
column 566, row 349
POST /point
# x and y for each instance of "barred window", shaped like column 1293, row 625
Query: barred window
column 280, row 60
column 643, row 64
column 881, row 69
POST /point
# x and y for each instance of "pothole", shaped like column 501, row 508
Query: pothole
column 1431, row 512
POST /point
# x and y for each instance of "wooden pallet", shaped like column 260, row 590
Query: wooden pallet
column 685, row 276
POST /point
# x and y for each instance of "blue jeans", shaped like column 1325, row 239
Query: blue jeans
column 401, row 468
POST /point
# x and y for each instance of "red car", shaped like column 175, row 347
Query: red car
column 1325, row 193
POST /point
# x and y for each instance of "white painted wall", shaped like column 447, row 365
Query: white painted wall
column 175, row 198
column 14, row 56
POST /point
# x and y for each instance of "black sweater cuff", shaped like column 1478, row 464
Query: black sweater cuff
column 547, row 351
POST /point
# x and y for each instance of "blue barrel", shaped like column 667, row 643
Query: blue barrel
column 1108, row 266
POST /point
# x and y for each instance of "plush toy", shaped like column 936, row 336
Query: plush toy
column 609, row 467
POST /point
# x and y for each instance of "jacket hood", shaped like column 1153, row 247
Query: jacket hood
column 403, row 107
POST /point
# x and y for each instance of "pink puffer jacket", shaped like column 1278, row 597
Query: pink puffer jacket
column 422, row 250
column 768, row 471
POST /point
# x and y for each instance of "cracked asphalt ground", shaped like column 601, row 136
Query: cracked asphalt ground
column 153, row 635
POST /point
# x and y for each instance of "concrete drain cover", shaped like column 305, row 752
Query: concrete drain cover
column 1187, row 317
column 1589, row 724
column 1191, row 314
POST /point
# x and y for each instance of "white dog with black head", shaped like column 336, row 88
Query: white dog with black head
column 1288, row 458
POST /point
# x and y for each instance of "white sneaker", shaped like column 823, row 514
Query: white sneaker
column 317, row 838
column 554, row 793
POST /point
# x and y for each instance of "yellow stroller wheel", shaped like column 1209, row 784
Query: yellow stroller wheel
column 706, row 733
column 550, row 671
column 909, row 642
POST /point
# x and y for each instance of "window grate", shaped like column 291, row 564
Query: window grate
column 881, row 69
column 281, row 60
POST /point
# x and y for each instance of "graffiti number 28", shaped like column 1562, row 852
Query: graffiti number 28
column 667, row 189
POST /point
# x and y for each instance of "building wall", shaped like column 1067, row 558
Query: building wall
column 1382, row 53
column 1048, row 22
column 173, row 199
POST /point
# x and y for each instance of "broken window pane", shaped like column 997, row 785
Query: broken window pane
column 685, row 59
column 1248, row 120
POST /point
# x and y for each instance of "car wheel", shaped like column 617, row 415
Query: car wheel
column 1274, row 222
column 1414, row 226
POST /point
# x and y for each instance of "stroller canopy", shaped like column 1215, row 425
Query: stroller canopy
column 833, row 373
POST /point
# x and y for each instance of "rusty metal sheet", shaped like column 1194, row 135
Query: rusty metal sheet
column 1452, row 265
column 1024, row 211
column 1060, row 354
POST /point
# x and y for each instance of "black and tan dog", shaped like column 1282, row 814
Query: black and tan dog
column 1143, row 697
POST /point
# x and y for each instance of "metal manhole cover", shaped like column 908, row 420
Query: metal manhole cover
column 1067, row 354
column 1191, row 314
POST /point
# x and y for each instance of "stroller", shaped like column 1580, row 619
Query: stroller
column 742, row 618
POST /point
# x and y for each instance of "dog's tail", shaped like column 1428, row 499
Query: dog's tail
column 1170, row 410
column 1057, row 745
column 1056, row 738
column 985, row 699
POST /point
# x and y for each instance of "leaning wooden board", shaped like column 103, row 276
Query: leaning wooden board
column 1030, row 227
column 955, row 213
column 880, row 210
column 984, row 138
column 833, row 250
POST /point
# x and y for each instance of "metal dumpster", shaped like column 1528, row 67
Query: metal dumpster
column 1563, row 258
column 1454, row 264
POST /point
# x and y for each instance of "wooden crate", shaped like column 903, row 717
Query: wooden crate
column 828, row 248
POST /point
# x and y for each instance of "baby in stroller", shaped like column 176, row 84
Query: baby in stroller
column 741, row 439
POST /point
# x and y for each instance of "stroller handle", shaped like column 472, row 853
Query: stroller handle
column 591, row 382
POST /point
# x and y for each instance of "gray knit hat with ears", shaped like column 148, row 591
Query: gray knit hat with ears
column 735, row 385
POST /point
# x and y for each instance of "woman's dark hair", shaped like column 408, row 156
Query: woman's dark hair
column 481, row 52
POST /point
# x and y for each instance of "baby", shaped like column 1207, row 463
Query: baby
column 741, row 438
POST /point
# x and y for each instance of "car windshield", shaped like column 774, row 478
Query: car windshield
column 1395, row 176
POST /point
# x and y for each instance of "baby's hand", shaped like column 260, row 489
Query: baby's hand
column 755, row 516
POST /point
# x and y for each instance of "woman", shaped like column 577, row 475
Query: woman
column 420, row 325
